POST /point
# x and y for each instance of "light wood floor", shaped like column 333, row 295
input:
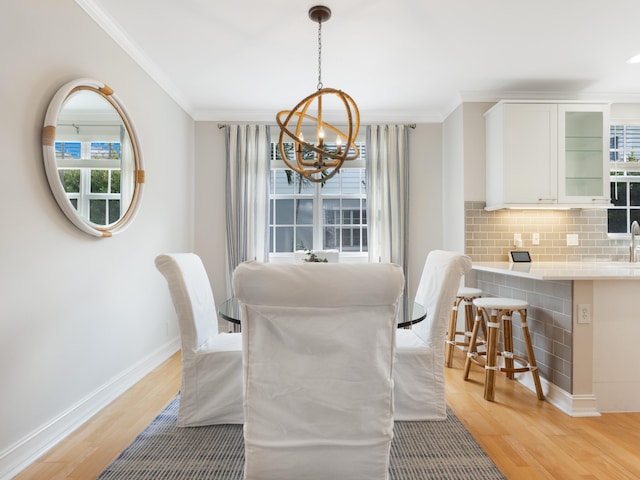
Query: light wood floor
column 527, row 439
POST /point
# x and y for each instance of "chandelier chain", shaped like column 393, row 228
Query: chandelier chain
column 319, row 54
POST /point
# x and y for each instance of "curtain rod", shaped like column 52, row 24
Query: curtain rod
column 410, row 125
column 76, row 125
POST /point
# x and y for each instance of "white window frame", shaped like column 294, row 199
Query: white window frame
column 624, row 166
column 318, row 222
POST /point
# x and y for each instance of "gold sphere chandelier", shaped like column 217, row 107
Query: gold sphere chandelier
column 320, row 160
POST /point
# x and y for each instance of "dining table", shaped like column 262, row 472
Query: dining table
column 229, row 310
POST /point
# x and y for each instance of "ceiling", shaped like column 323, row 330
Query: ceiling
column 400, row 60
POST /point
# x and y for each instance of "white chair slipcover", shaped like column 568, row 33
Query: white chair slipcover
column 211, row 390
column 419, row 388
column 318, row 353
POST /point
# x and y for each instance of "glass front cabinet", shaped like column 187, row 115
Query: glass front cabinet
column 546, row 155
column 583, row 154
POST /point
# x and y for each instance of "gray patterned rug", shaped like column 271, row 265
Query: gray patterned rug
column 419, row 450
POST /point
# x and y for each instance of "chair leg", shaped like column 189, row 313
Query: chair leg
column 473, row 350
column 484, row 331
column 468, row 316
column 531, row 356
column 507, row 341
column 469, row 320
column 492, row 355
column 451, row 333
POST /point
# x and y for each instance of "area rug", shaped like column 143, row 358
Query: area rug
column 419, row 450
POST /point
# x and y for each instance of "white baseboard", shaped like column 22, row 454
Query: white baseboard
column 20, row 455
column 572, row 405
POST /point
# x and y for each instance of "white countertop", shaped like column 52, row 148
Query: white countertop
column 595, row 270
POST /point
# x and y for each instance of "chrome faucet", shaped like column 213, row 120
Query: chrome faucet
column 635, row 230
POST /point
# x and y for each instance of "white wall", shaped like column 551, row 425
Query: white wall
column 425, row 198
column 453, row 181
column 474, row 141
column 463, row 158
column 626, row 113
column 210, row 212
column 82, row 318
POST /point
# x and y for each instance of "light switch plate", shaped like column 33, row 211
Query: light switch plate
column 572, row 239
column 535, row 239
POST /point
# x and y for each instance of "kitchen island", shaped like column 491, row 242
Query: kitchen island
column 585, row 322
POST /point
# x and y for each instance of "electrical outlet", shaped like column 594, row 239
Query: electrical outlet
column 535, row 239
column 572, row 239
column 517, row 240
column 584, row 313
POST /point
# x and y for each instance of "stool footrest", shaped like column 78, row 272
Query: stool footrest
column 454, row 342
column 525, row 365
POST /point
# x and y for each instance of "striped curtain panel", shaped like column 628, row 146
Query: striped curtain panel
column 247, row 194
column 388, row 193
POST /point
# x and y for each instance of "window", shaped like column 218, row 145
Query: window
column 90, row 175
column 625, row 178
column 308, row 215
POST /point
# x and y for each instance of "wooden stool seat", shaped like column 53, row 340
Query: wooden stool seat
column 494, row 313
column 464, row 297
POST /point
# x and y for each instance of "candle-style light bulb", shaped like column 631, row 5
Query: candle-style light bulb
column 338, row 144
column 319, row 157
column 300, row 141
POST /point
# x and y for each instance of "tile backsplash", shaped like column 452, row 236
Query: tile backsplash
column 489, row 236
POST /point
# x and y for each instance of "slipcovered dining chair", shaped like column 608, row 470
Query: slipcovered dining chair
column 318, row 352
column 211, row 390
column 419, row 392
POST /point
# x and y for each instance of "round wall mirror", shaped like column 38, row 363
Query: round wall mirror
column 92, row 157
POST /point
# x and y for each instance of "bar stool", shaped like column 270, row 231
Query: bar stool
column 497, row 312
column 464, row 297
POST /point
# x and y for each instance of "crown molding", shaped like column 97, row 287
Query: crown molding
column 600, row 97
column 96, row 11
column 263, row 116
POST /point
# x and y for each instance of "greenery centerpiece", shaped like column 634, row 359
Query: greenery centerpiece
column 311, row 255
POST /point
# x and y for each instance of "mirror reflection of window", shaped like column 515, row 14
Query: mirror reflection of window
column 91, row 150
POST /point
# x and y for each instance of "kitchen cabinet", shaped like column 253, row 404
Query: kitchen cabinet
column 547, row 155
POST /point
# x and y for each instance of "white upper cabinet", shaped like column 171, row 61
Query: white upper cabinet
column 583, row 146
column 546, row 155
